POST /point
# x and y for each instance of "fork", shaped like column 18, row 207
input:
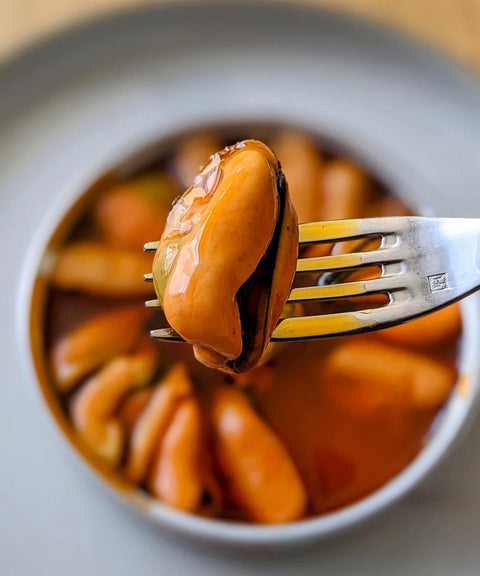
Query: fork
column 425, row 264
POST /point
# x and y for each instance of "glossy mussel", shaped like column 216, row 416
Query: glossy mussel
column 226, row 261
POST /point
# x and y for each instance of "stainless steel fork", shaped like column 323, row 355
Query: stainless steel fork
column 425, row 264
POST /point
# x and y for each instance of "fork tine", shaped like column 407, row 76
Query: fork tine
column 385, row 284
column 148, row 277
column 333, row 230
column 153, row 304
column 150, row 246
column 166, row 334
column 328, row 231
column 338, row 230
column 352, row 260
column 337, row 324
column 313, row 327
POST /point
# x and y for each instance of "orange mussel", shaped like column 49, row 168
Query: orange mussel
column 226, row 261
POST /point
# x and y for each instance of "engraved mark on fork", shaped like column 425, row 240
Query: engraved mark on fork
column 438, row 282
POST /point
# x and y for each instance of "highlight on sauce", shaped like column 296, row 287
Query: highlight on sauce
column 314, row 427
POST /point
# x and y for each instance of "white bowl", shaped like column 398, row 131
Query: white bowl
column 121, row 83
column 447, row 426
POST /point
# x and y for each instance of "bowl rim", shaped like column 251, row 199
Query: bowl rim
column 456, row 415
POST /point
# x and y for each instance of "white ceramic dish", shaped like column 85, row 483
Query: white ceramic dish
column 78, row 104
column 448, row 424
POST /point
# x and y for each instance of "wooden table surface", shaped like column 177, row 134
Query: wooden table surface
column 452, row 25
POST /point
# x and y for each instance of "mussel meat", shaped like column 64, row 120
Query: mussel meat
column 226, row 260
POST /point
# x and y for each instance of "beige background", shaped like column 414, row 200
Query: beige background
column 453, row 25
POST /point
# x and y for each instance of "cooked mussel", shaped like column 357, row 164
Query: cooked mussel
column 226, row 261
